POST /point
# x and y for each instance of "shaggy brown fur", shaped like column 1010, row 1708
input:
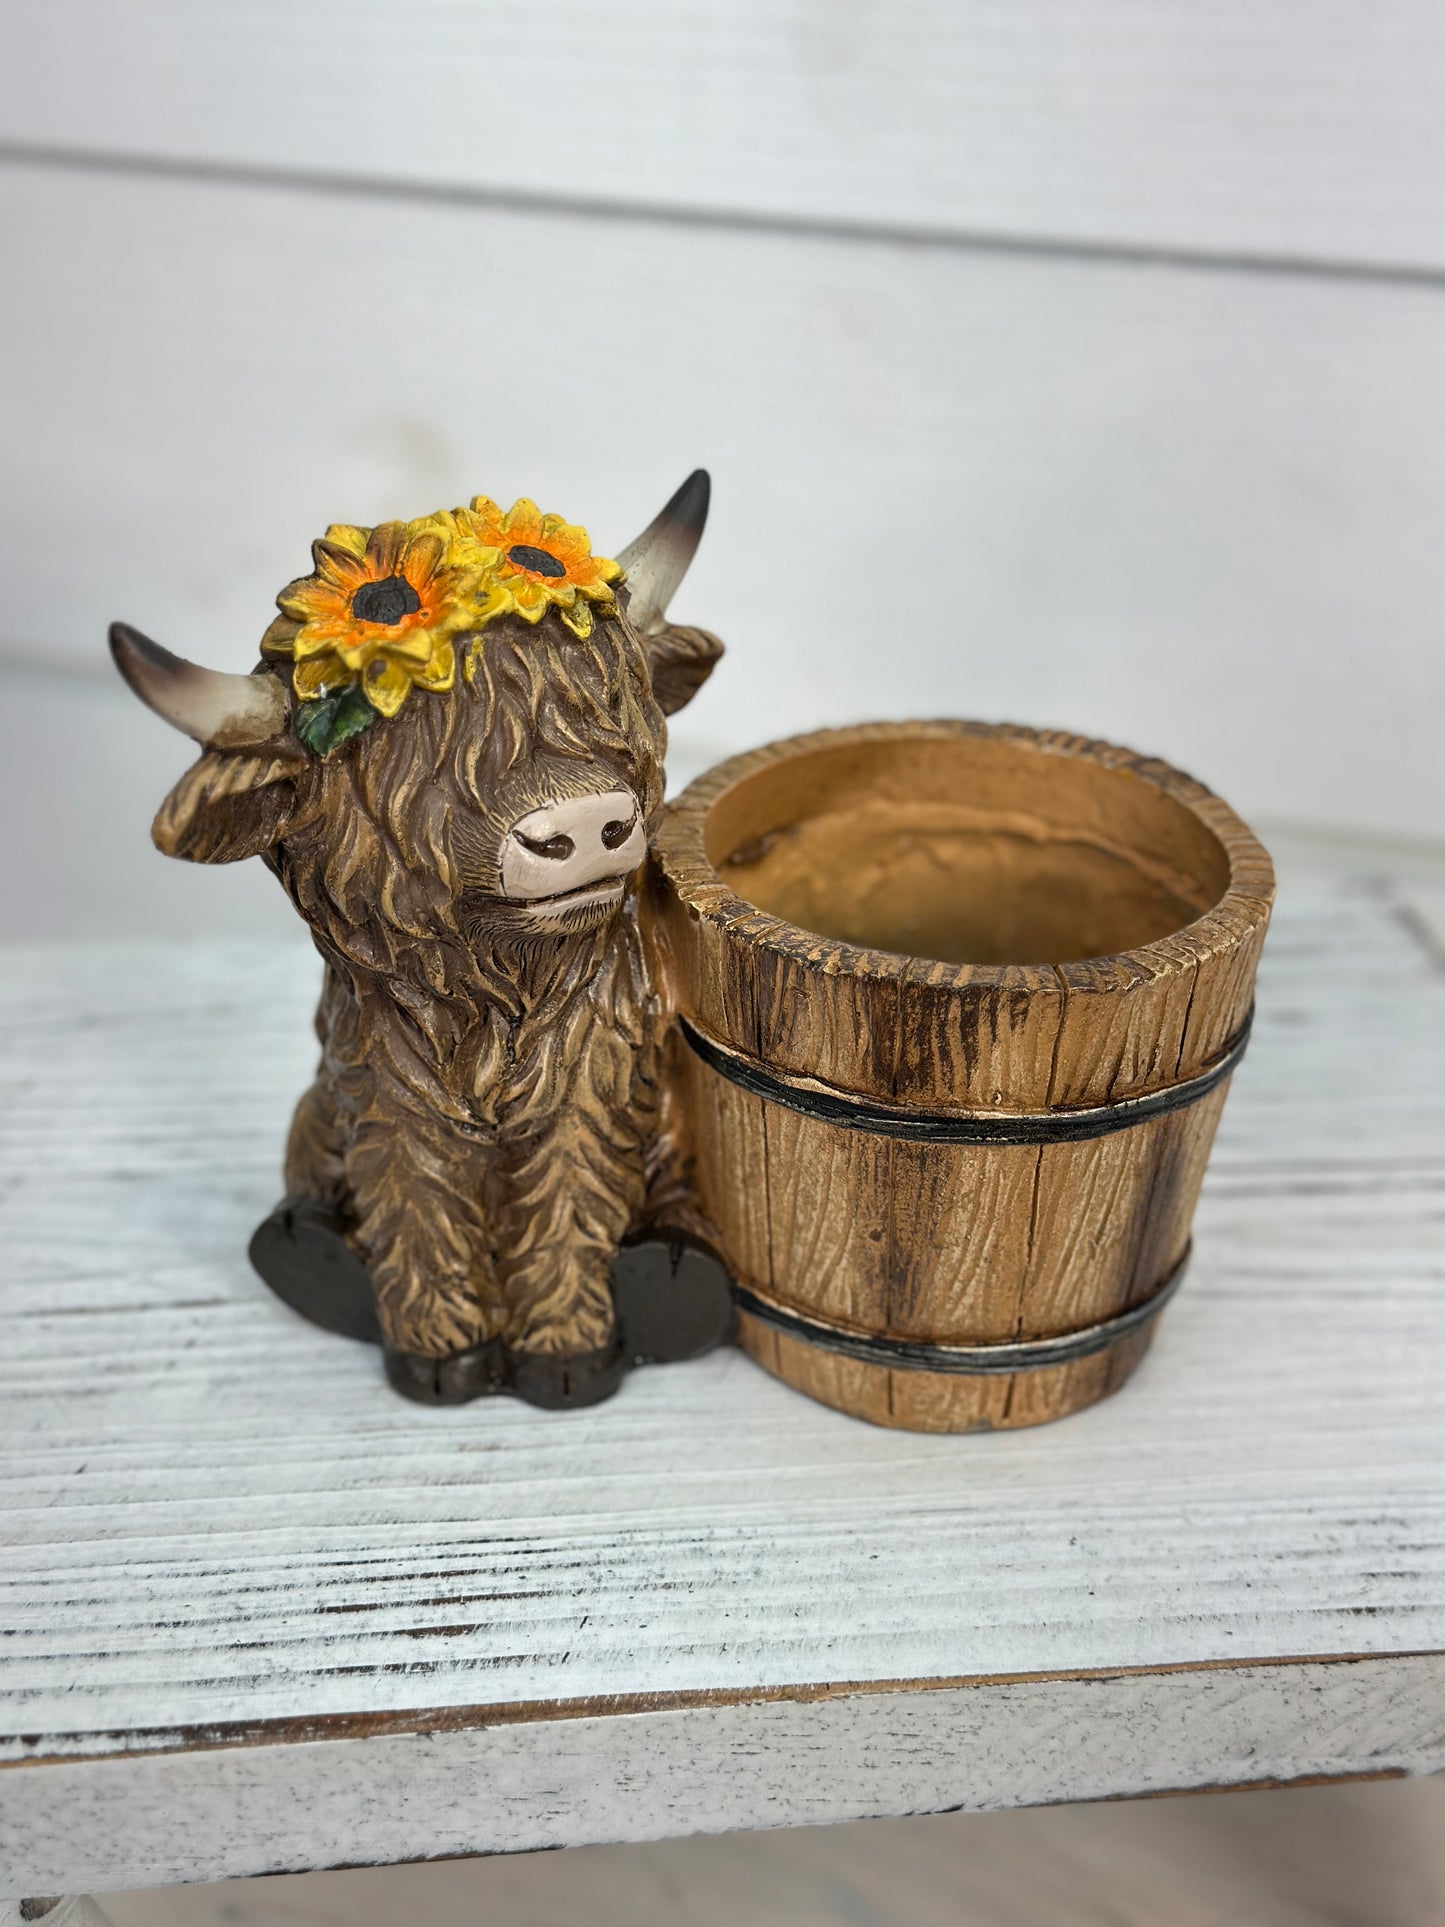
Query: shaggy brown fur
column 484, row 1117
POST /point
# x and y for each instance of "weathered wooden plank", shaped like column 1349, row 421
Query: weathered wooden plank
column 563, row 1781
column 189, row 1456
column 1110, row 475
column 1234, row 129
column 1275, row 1856
column 218, row 1525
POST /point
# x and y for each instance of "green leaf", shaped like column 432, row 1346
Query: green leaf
column 332, row 720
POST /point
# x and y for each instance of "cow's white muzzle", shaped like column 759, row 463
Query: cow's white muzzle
column 578, row 851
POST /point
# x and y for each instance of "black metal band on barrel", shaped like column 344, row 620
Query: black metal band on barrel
column 963, row 1361
column 855, row 1113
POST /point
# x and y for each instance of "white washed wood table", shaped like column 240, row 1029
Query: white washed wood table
column 260, row 1614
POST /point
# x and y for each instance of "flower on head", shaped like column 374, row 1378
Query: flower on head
column 379, row 612
column 541, row 561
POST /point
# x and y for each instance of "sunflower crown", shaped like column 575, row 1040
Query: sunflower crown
column 383, row 610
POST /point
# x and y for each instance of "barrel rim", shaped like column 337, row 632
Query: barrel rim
column 679, row 854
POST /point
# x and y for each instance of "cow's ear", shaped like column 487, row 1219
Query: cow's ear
column 681, row 660
column 234, row 803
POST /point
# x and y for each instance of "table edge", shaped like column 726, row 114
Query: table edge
column 70, row 1749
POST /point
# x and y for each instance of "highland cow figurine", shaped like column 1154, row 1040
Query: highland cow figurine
column 450, row 755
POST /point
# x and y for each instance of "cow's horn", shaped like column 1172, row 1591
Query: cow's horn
column 657, row 561
column 221, row 711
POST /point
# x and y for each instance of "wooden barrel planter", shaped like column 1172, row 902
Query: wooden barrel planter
column 958, row 1006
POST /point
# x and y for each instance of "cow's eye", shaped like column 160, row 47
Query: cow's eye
column 537, row 560
column 385, row 602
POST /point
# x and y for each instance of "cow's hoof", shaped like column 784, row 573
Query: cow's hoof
column 303, row 1257
column 561, row 1383
column 671, row 1296
column 453, row 1380
column 555, row 1383
column 673, row 1299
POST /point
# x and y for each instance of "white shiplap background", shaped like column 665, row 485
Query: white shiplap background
column 1082, row 364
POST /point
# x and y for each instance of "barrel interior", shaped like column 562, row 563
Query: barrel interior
column 975, row 850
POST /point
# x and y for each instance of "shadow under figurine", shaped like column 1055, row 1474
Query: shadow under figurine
column 451, row 755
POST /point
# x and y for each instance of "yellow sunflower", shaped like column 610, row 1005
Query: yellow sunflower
column 380, row 610
column 541, row 561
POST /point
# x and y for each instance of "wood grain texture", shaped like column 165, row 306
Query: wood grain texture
column 211, row 1513
column 209, row 1813
column 1112, row 474
column 1235, row 130
column 1029, row 1036
column 977, row 835
column 1276, row 1857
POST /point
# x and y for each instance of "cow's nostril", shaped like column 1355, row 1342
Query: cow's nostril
column 616, row 833
column 556, row 849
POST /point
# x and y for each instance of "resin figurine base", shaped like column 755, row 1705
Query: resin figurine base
column 671, row 1297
